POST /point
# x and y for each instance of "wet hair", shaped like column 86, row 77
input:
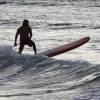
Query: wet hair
column 25, row 22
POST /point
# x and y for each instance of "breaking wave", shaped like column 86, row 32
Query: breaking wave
column 42, row 74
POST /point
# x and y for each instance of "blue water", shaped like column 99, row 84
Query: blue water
column 74, row 75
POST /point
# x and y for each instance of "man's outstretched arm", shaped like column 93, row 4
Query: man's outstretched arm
column 16, row 36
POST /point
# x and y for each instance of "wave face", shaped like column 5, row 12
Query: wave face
column 28, row 76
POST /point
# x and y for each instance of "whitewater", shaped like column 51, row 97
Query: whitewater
column 74, row 75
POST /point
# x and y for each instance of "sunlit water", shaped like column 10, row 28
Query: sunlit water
column 74, row 75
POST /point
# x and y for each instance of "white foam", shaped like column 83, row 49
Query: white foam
column 6, row 50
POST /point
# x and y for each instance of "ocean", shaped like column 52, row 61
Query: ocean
column 73, row 75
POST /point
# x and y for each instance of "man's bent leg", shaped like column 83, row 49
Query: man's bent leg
column 21, row 48
column 34, row 47
column 32, row 44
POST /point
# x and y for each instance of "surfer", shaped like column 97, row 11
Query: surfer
column 25, row 33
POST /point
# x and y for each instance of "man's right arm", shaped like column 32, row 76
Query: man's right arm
column 16, row 36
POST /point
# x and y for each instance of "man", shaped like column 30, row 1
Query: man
column 25, row 33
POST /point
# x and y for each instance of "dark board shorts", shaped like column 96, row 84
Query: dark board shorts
column 27, row 42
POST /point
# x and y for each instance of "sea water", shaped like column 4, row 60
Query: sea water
column 74, row 75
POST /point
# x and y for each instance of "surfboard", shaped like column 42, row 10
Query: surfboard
column 65, row 48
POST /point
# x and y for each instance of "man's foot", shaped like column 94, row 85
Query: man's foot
column 19, row 53
column 35, row 53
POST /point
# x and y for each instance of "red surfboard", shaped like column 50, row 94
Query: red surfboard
column 65, row 48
